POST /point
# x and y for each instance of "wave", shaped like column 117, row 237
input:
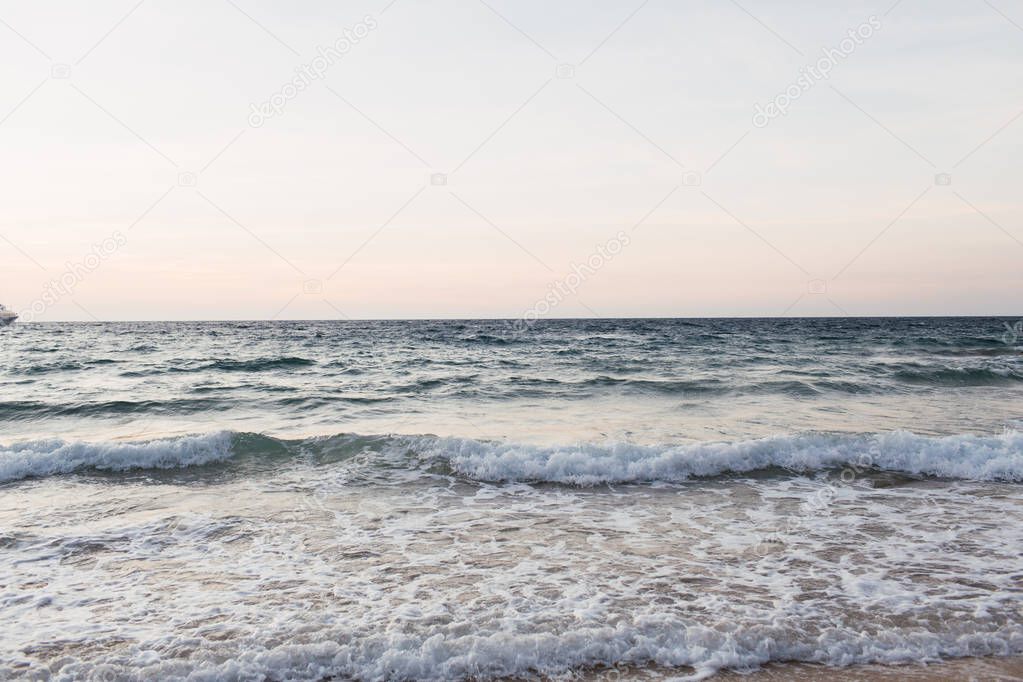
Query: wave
column 960, row 376
column 26, row 410
column 965, row 457
column 53, row 457
column 653, row 647
column 989, row 458
column 999, row 351
column 258, row 365
column 224, row 365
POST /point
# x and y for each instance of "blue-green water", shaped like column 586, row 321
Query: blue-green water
column 647, row 379
column 455, row 499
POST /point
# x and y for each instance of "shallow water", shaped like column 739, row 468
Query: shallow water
column 445, row 500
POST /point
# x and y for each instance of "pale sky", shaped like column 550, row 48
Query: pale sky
column 557, row 126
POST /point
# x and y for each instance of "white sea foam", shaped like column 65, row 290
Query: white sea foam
column 985, row 458
column 424, row 583
column 52, row 457
column 967, row 457
column 432, row 581
column 663, row 642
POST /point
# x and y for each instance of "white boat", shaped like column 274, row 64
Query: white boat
column 7, row 316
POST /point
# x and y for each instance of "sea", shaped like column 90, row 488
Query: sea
column 488, row 500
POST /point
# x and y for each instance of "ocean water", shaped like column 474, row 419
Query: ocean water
column 445, row 500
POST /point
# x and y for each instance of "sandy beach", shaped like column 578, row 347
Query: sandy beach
column 994, row 669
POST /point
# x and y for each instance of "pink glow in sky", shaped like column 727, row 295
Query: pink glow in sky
column 451, row 159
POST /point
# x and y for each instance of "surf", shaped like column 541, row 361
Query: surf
column 995, row 458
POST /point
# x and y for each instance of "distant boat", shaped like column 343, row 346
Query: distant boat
column 7, row 316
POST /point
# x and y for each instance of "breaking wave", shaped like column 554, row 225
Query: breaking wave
column 54, row 457
column 967, row 457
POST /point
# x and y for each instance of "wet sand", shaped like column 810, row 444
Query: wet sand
column 986, row 669
column 1008, row 669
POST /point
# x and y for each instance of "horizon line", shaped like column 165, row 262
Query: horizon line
column 547, row 319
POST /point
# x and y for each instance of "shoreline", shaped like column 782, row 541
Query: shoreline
column 988, row 668
column 991, row 669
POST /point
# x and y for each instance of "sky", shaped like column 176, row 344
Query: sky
column 470, row 158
